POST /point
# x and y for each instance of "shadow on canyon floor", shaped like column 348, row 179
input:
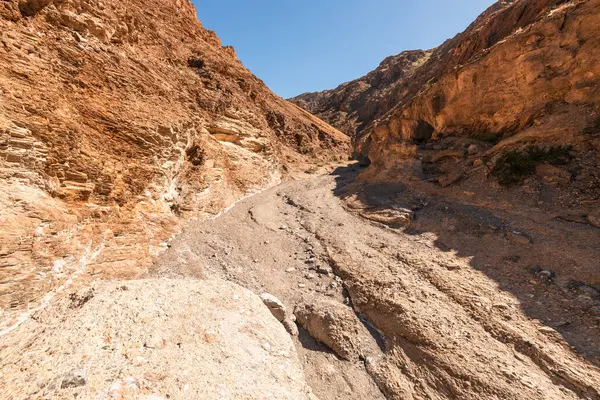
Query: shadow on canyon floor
column 549, row 265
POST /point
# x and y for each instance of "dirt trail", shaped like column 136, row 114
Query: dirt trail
column 406, row 319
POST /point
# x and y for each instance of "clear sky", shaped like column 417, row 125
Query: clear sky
column 299, row 46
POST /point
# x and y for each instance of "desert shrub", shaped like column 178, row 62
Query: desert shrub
column 195, row 62
column 195, row 155
column 515, row 165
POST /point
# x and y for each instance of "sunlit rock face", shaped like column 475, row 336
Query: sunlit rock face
column 525, row 73
column 116, row 120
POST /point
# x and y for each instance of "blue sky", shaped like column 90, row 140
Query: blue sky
column 299, row 46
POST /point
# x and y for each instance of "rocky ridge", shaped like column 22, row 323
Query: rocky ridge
column 520, row 81
column 117, row 119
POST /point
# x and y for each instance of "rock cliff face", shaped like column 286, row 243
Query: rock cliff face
column 354, row 105
column 517, row 90
column 117, row 118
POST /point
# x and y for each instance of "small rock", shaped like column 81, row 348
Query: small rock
column 501, row 306
column 301, row 285
column 473, row 149
column 290, row 325
column 275, row 305
column 324, row 270
column 280, row 312
column 478, row 163
column 546, row 276
column 78, row 37
column 546, row 329
column 73, row 379
column 394, row 217
column 309, row 276
column 521, row 238
column 290, row 269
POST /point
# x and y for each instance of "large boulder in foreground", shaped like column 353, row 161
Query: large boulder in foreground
column 153, row 339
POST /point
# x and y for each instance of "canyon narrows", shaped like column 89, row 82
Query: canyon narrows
column 171, row 229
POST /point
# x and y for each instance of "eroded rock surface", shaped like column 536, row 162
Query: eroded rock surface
column 518, row 90
column 337, row 326
column 160, row 338
column 448, row 306
column 116, row 119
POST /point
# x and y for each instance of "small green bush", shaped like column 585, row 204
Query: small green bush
column 515, row 165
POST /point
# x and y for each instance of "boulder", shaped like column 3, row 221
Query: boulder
column 336, row 326
column 175, row 339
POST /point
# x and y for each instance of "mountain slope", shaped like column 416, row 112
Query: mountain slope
column 116, row 119
column 521, row 65
column 353, row 105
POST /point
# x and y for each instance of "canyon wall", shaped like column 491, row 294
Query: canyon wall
column 524, row 76
column 117, row 121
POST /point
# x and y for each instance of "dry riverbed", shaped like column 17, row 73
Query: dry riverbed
column 385, row 309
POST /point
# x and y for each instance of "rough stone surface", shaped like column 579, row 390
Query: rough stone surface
column 355, row 104
column 154, row 339
column 117, row 119
column 455, row 305
column 280, row 312
column 525, row 73
column 275, row 306
column 337, row 326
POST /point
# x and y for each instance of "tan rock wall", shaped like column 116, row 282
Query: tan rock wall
column 107, row 137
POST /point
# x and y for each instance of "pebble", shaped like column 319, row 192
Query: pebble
column 290, row 269
column 309, row 276
column 546, row 329
column 301, row 285
column 473, row 149
column 324, row 270
column 546, row 275
column 73, row 379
